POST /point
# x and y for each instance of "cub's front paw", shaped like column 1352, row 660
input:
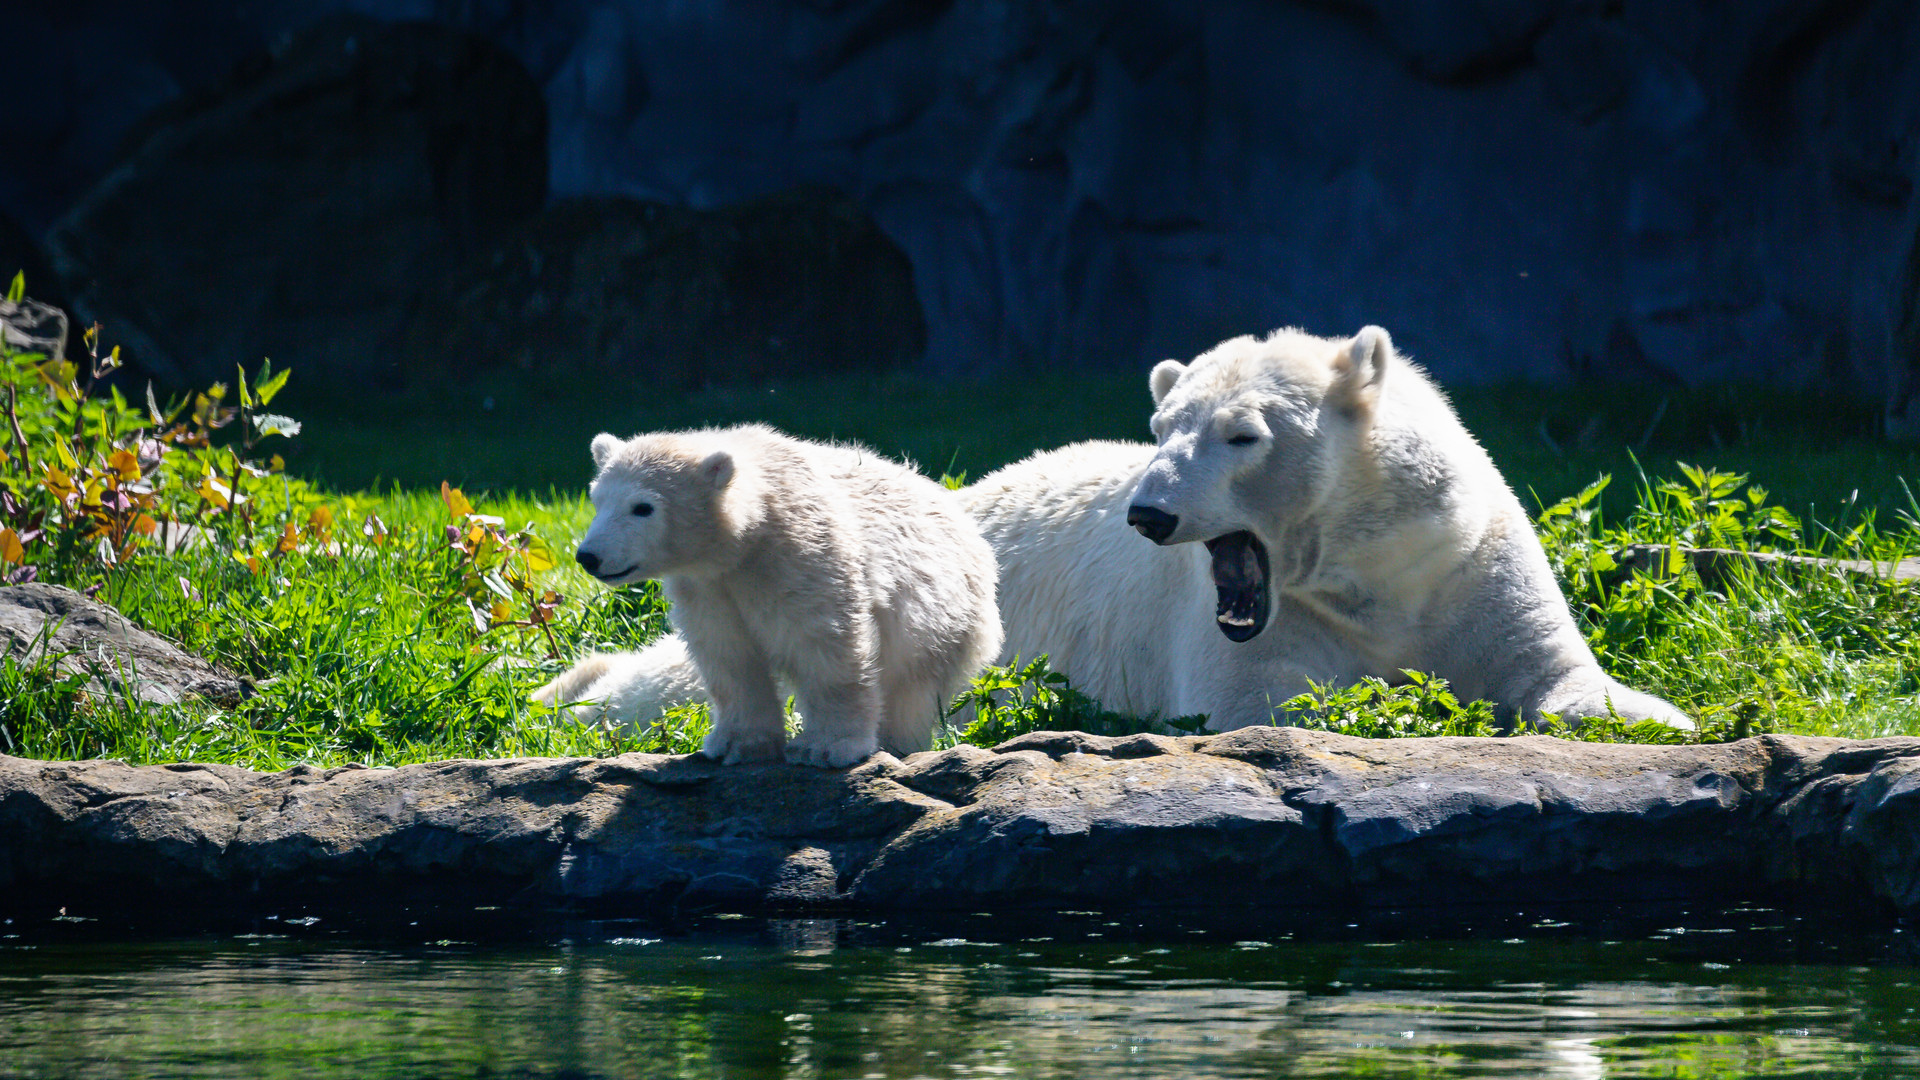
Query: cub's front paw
column 740, row 749
column 824, row 752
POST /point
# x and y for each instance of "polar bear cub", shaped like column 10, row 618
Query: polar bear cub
column 853, row 579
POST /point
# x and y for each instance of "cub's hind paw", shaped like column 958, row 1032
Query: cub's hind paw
column 741, row 749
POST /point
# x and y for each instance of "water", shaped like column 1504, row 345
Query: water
column 1750, row 992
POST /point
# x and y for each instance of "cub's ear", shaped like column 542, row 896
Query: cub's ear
column 717, row 468
column 1165, row 374
column 603, row 447
column 1359, row 369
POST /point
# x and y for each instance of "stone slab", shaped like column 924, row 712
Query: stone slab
column 1267, row 817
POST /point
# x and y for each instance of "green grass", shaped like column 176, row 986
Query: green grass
column 368, row 652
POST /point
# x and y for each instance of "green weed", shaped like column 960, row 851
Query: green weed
column 1013, row 699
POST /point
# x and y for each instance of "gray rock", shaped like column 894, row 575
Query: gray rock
column 1271, row 817
column 30, row 326
column 92, row 639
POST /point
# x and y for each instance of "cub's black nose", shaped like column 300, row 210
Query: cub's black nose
column 1155, row 525
column 588, row 561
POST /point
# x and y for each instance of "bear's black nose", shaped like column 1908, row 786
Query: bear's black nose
column 588, row 561
column 1155, row 525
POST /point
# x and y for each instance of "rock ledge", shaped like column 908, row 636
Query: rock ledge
column 1264, row 816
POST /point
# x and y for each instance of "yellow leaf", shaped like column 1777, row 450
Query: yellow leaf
column 276, row 463
column 66, row 455
column 320, row 523
column 145, row 525
column 289, row 539
column 500, row 612
column 11, row 550
column 125, row 463
column 457, row 503
column 255, row 564
column 539, row 557
column 58, row 482
column 214, row 492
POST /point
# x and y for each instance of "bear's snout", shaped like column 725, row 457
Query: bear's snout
column 1155, row 525
column 588, row 561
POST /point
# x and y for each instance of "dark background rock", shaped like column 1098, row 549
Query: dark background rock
column 92, row 639
column 297, row 212
column 1274, row 818
column 1693, row 189
column 794, row 283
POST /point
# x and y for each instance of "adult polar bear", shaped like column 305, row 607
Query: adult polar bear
column 1320, row 513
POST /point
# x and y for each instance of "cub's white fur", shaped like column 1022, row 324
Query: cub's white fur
column 1390, row 542
column 858, row 582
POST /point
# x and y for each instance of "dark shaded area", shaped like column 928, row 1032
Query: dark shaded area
column 1627, row 191
column 795, row 284
column 295, row 211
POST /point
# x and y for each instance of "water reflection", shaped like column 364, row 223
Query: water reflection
column 825, row 998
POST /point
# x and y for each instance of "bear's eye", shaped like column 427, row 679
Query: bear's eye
column 1243, row 440
column 642, row 509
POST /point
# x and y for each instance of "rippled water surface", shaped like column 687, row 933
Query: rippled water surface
column 1074, row 995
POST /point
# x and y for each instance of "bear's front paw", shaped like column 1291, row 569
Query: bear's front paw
column 830, row 753
column 742, row 749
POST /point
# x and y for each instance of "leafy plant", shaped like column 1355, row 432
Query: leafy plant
column 495, row 569
column 1372, row 709
column 1801, row 647
column 86, row 478
column 1011, row 700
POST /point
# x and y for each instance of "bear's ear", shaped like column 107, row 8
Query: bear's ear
column 1360, row 368
column 603, row 447
column 717, row 468
column 1165, row 374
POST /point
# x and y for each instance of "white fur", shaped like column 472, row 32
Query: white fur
column 858, row 582
column 1394, row 544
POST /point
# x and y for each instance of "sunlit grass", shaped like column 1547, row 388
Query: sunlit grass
column 365, row 651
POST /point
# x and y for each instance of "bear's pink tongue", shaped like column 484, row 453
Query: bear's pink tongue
column 1240, row 579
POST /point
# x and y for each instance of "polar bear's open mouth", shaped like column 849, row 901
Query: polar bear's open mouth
column 1240, row 579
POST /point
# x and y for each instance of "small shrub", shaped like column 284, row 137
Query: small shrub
column 1372, row 709
column 1012, row 700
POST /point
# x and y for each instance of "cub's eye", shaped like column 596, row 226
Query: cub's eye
column 1243, row 440
column 642, row 509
